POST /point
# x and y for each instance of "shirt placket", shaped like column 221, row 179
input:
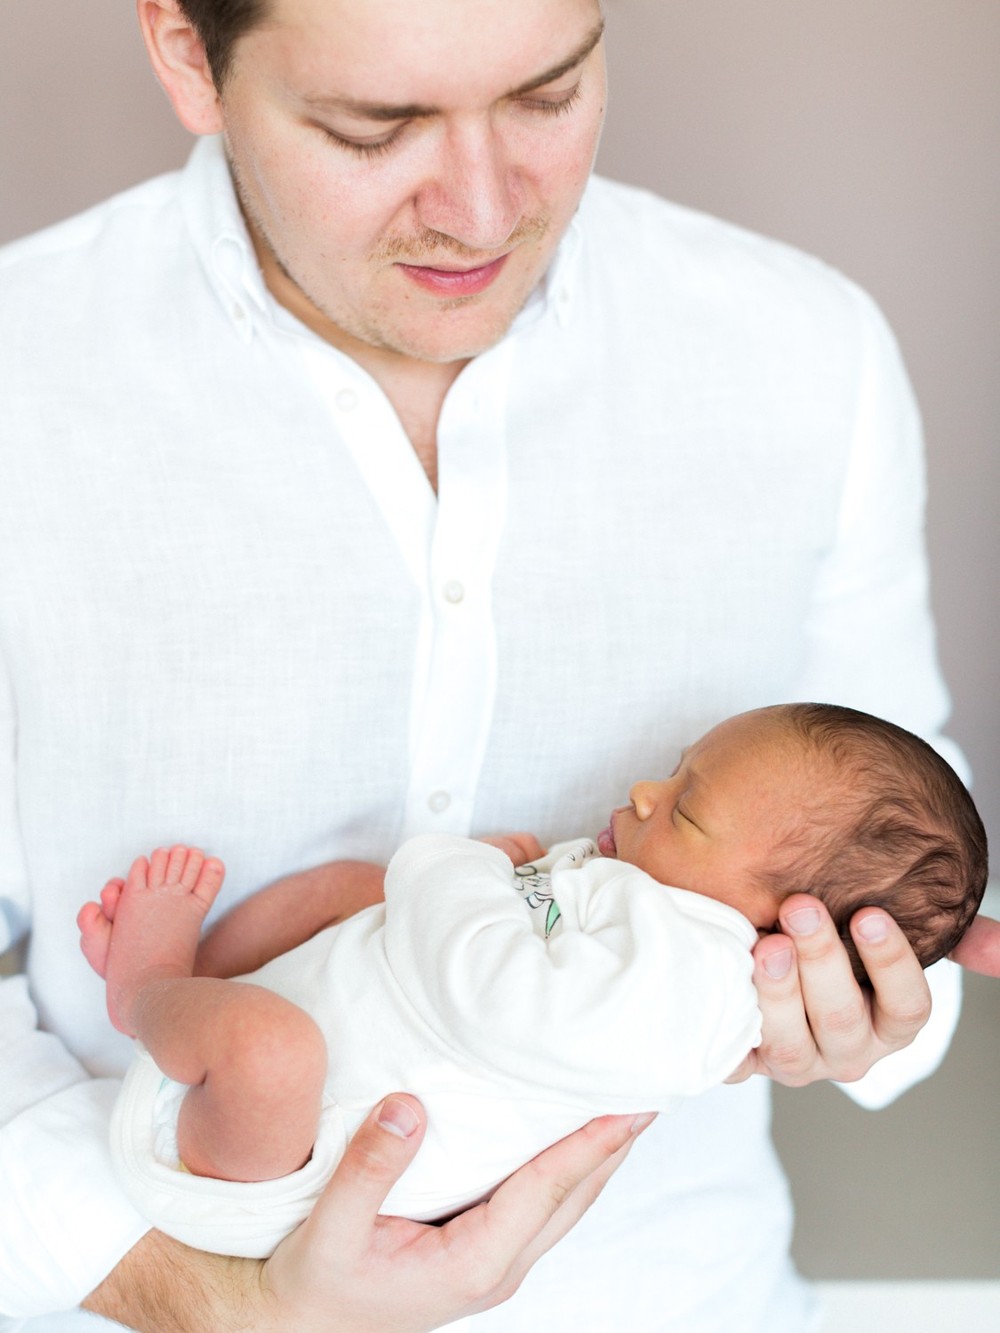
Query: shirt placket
column 456, row 668
column 450, row 545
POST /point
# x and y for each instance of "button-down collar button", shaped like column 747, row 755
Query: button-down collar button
column 454, row 592
column 438, row 802
column 346, row 400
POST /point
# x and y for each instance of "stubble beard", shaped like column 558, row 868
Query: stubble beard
column 425, row 249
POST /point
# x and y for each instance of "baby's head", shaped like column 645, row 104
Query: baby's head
column 814, row 798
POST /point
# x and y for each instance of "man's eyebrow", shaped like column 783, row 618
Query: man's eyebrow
column 575, row 58
column 417, row 111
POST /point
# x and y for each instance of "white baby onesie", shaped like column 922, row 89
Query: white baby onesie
column 516, row 1004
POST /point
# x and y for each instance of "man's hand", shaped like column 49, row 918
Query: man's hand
column 349, row 1270
column 818, row 1022
column 979, row 949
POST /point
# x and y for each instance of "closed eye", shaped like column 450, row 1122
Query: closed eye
column 550, row 106
column 364, row 147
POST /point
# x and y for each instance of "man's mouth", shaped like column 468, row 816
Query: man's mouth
column 455, row 281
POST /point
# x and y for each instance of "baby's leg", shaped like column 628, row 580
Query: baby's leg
column 256, row 1065
column 254, row 1060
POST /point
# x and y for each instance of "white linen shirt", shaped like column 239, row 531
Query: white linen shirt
column 233, row 612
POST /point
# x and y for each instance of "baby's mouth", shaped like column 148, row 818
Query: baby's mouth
column 606, row 840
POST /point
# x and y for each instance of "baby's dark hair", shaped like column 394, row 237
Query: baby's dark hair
column 903, row 833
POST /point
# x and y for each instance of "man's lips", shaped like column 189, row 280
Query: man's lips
column 455, row 281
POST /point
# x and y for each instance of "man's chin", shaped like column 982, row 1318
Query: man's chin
column 446, row 347
column 445, row 330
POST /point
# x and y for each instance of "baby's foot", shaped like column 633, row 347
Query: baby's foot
column 147, row 927
column 94, row 921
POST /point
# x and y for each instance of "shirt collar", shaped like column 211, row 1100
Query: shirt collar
column 216, row 224
column 554, row 293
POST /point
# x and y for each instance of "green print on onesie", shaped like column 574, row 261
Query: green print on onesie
column 534, row 885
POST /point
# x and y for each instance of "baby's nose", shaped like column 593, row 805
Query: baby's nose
column 643, row 797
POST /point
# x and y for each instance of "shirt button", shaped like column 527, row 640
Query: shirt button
column 454, row 592
column 438, row 802
column 346, row 400
column 239, row 314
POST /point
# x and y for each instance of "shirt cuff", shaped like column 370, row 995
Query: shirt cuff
column 66, row 1222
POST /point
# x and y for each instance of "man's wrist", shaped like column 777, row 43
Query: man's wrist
column 162, row 1286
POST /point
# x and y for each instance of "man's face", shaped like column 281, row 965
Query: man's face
column 735, row 796
column 407, row 167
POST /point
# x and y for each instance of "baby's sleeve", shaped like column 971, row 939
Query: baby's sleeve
column 637, row 991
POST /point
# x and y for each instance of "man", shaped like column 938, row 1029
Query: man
column 413, row 484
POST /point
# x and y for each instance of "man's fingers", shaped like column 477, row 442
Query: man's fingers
column 785, row 1033
column 787, row 1051
column 526, row 1203
column 571, row 1210
column 902, row 1002
column 376, row 1157
column 818, row 1023
column 816, row 1020
column 836, row 1010
column 979, row 949
column 747, row 1067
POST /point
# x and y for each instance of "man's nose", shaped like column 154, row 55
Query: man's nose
column 475, row 195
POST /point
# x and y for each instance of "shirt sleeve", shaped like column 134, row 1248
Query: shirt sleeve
column 870, row 638
column 64, row 1223
column 630, row 995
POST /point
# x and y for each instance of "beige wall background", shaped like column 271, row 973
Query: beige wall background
column 864, row 131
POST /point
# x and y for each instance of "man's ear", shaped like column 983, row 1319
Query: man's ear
column 178, row 58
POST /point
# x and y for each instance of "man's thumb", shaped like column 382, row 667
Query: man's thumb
column 375, row 1158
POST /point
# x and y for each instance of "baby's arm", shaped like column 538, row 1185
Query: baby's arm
column 294, row 909
column 286, row 914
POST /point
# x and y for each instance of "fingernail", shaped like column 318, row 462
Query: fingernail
column 398, row 1118
column 874, row 929
column 804, row 920
column 641, row 1121
column 777, row 965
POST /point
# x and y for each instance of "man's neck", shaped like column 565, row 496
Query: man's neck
column 416, row 389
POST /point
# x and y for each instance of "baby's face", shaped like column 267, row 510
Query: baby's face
column 734, row 797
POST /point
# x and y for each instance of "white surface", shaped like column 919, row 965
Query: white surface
column 910, row 1307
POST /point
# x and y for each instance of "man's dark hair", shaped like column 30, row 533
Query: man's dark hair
column 903, row 833
column 219, row 24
